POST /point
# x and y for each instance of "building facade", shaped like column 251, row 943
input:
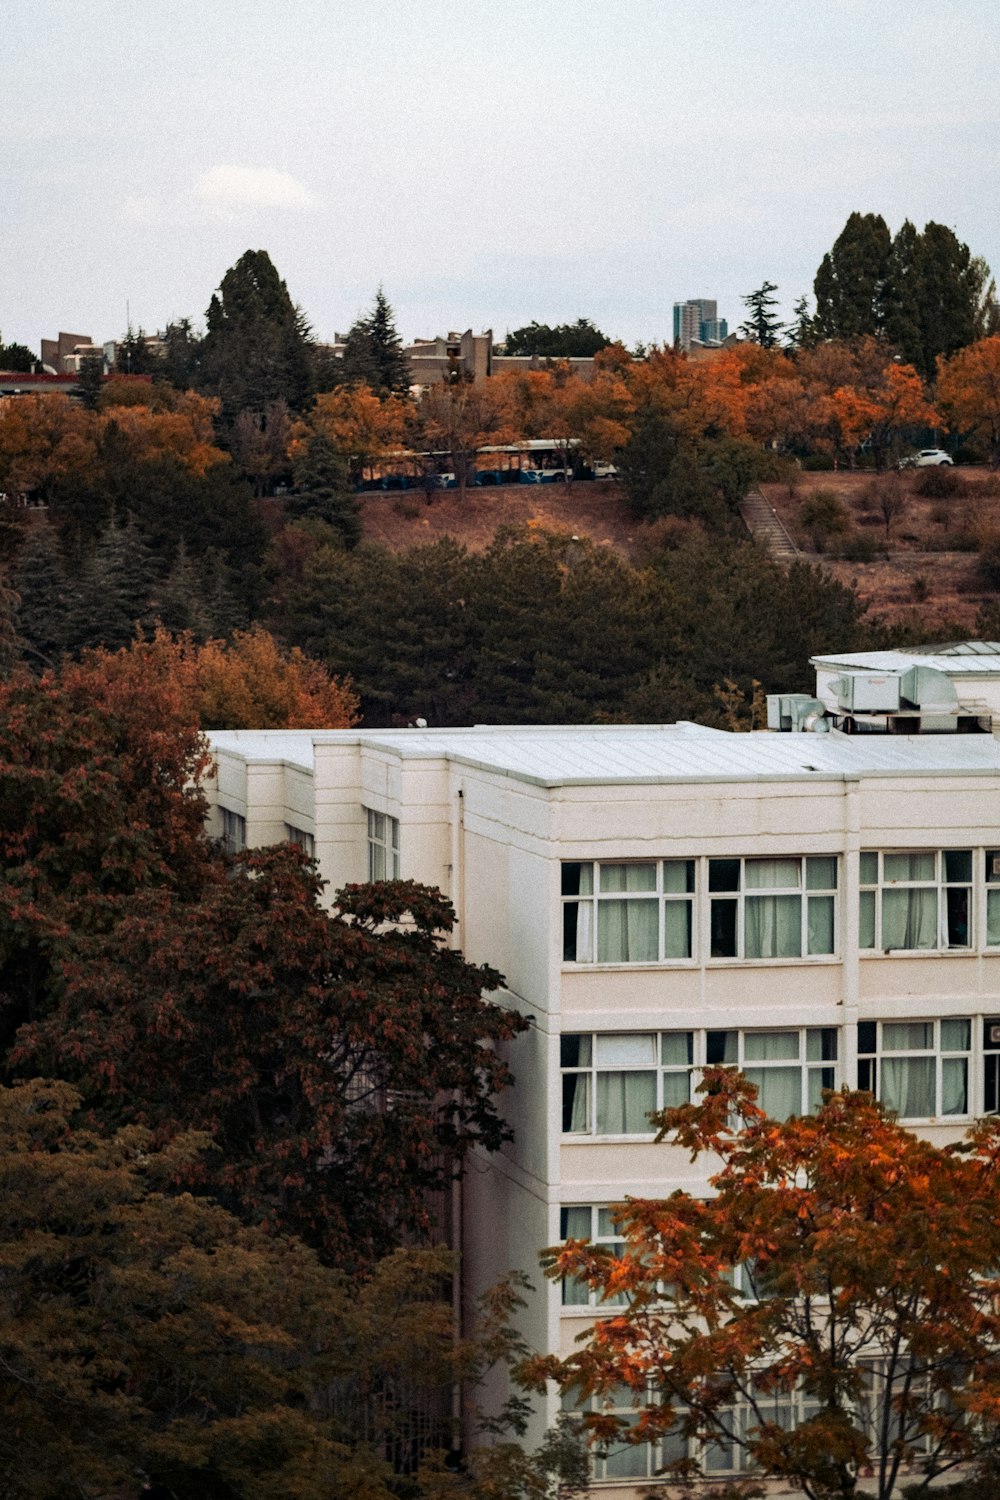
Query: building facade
column 697, row 322
column 817, row 907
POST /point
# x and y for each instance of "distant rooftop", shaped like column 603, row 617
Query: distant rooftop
column 979, row 657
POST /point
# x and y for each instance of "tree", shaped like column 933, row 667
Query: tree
column 149, row 1341
column 114, row 592
column 259, row 445
column 462, row 417
column 801, row 333
column 357, row 425
column 969, row 392
column 17, row 359
column 43, row 609
column 762, row 324
column 373, row 354
column 794, row 1323
column 579, row 340
column 851, row 278
column 323, row 490
column 257, row 348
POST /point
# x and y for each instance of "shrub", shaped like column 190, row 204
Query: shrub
column 824, row 515
column 939, row 483
column 817, row 463
column 856, row 547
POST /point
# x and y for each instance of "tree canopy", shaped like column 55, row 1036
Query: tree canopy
column 794, row 1324
column 257, row 348
column 564, row 341
column 373, row 354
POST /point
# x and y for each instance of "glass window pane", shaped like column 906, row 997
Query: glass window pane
column 574, row 1224
column 624, row 1103
column 773, row 874
column 628, row 877
column 909, row 866
column 723, row 874
column 762, row 1046
column 954, row 1086
column 723, row 937
column 627, row 932
column 993, row 866
column 993, row 918
column 817, row 1080
column 721, row 1047
column 577, row 879
column 376, row 862
column 578, row 932
column 958, row 864
column 773, row 927
column 576, row 1104
column 821, row 873
column 606, row 1227
column 574, row 1049
column 956, row 1036
column 779, row 1090
column 957, row 915
column 907, row 1036
column 821, row 1044
column 819, row 918
column 676, row 1048
column 618, row 1049
column 575, row 1293
column 677, row 929
column 867, row 1036
column 909, row 918
column 678, row 875
column 907, row 1086
column 866, row 925
column 869, row 869
column 676, row 1090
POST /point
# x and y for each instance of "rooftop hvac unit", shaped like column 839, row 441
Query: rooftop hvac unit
column 796, row 713
column 868, row 692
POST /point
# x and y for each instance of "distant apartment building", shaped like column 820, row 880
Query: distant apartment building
column 697, row 322
column 62, row 355
column 464, row 356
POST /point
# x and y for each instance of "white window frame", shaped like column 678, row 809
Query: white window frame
column 873, row 891
column 871, row 1064
column 383, row 845
column 588, row 1073
column 817, row 1068
column 744, row 894
column 582, row 910
column 602, row 1233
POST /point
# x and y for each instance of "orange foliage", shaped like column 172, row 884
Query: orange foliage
column 356, row 422
column 185, row 432
column 42, row 439
column 969, row 392
column 245, row 683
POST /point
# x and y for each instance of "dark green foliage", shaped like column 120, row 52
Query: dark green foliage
column 323, row 491
column 132, row 356
column 578, row 340
column 17, row 359
column 932, row 295
column 112, row 596
column 182, row 601
column 851, row 278
column 257, row 348
column 667, row 474
column 90, row 380
column 43, row 611
column 801, row 333
column 181, row 362
column 549, row 629
column 373, row 354
column 762, row 324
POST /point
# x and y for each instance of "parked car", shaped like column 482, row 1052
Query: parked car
column 927, row 458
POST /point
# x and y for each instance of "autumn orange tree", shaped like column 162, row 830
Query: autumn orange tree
column 828, row 1316
column 969, row 392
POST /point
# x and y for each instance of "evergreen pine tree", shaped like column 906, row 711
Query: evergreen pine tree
column 90, row 380
column 257, row 348
column 373, row 354
column 179, row 603
column 762, row 324
column 114, row 594
column 42, row 616
column 801, row 333
column 323, row 491
column 850, row 282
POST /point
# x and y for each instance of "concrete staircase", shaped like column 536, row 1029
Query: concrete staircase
column 764, row 525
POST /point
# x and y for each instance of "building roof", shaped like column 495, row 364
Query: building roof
column 968, row 658
column 559, row 755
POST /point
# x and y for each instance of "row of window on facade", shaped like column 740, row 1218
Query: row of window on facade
column 669, row 910
column 921, row 1070
column 383, row 841
column 878, row 1403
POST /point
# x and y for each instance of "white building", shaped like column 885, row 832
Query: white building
column 819, row 907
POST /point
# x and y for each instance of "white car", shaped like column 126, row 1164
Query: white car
column 927, row 458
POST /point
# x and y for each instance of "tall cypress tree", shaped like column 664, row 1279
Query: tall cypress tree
column 762, row 323
column 850, row 282
column 258, row 347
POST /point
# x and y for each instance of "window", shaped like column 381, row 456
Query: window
column 628, row 913
column 991, row 1065
column 613, row 1081
column 921, row 899
column 992, row 876
column 300, row 839
column 789, row 1068
column 918, row 1069
column 772, row 908
column 234, row 831
column 594, row 1224
column 383, row 846
column 622, row 1460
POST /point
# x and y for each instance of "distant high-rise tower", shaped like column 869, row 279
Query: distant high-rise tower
column 697, row 321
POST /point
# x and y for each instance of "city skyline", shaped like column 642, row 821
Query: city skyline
column 548, row 162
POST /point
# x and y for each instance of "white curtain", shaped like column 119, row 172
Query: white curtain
column 575, row 1226
column 625, row 1102
column 909, row 917
column 993, row 919
column 580, row 924
column 908, row 1086
column 627, row 931
column 779, row 1090
column 773, row 927
column 819, row 921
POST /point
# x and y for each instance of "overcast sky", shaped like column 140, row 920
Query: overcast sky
column 488, row 161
